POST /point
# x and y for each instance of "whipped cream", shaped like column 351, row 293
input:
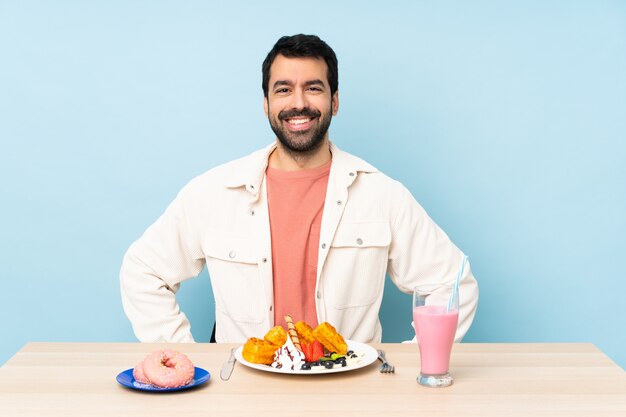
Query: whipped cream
column 288, row 357
column 354, row 359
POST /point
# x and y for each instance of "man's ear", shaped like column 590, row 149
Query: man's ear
column 335, row 103
column 266, row 106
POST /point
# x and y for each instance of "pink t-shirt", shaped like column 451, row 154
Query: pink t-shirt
column 296, row 203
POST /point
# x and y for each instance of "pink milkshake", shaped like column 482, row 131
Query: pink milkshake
column 435, row 328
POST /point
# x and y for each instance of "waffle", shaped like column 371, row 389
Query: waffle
column 330, row 338
column 259, row 351
column 305, row 332
column 276, row 336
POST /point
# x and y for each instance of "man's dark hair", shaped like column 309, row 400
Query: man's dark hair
column 301, row 46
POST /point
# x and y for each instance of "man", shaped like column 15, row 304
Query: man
column 298, row 228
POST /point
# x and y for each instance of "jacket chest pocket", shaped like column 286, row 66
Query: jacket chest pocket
column 354, row 271
column 233, row 267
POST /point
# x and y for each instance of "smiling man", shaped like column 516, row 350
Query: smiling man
column 299, row 227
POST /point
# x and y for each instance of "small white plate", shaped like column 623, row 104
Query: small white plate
column 368, row 352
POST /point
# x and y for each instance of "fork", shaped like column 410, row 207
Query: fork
column 386, row 367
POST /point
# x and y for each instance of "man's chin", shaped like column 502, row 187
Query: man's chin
column 301, row 145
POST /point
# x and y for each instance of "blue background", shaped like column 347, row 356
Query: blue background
column 506, row 121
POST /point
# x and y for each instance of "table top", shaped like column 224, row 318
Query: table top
column 525, row 379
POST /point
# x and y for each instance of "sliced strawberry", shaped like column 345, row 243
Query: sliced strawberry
column 306, row 349
column 317, row 350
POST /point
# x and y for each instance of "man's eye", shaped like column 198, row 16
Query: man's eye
column 315, row 89
column 282, row 91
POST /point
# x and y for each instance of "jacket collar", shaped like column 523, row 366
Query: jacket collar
column 249, row 171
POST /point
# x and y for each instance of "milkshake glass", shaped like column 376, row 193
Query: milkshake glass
column 435, row 320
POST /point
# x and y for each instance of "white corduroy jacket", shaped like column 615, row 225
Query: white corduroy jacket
column 371, row 226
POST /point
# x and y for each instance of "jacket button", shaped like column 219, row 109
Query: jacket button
column 264, row 260
column 323, row 245
column 271, row 308
column 359, row 241
column 338, row 202
column 319, row 295
column 252, row 212
column 232, row 254
column 351, row 174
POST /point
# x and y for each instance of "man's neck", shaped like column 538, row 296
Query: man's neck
column 286, row 160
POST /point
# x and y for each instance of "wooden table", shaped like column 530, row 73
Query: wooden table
column 78, row 379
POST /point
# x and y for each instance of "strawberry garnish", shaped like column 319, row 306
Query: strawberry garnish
column 307, row 349
column 317, row 351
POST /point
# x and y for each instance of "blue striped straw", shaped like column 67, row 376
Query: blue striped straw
column 456, row 283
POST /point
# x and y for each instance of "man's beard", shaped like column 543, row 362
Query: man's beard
column 305, row 142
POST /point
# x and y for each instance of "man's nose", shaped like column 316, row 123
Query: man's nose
column 299, row 100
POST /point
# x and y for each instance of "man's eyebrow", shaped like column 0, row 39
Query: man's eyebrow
column 314, row 82
column 278, row 83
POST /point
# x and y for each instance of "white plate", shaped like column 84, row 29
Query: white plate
column 368, row 352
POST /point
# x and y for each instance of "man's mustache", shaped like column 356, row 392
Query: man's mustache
column 305, row 112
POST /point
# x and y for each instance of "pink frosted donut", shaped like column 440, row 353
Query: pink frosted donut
column 139, row 375
column 168, row 369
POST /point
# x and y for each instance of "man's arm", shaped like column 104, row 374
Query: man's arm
column 422, row 254
column 151, row 272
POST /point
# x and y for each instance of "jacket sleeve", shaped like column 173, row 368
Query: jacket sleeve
column 422, row 254
column 151, row 272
